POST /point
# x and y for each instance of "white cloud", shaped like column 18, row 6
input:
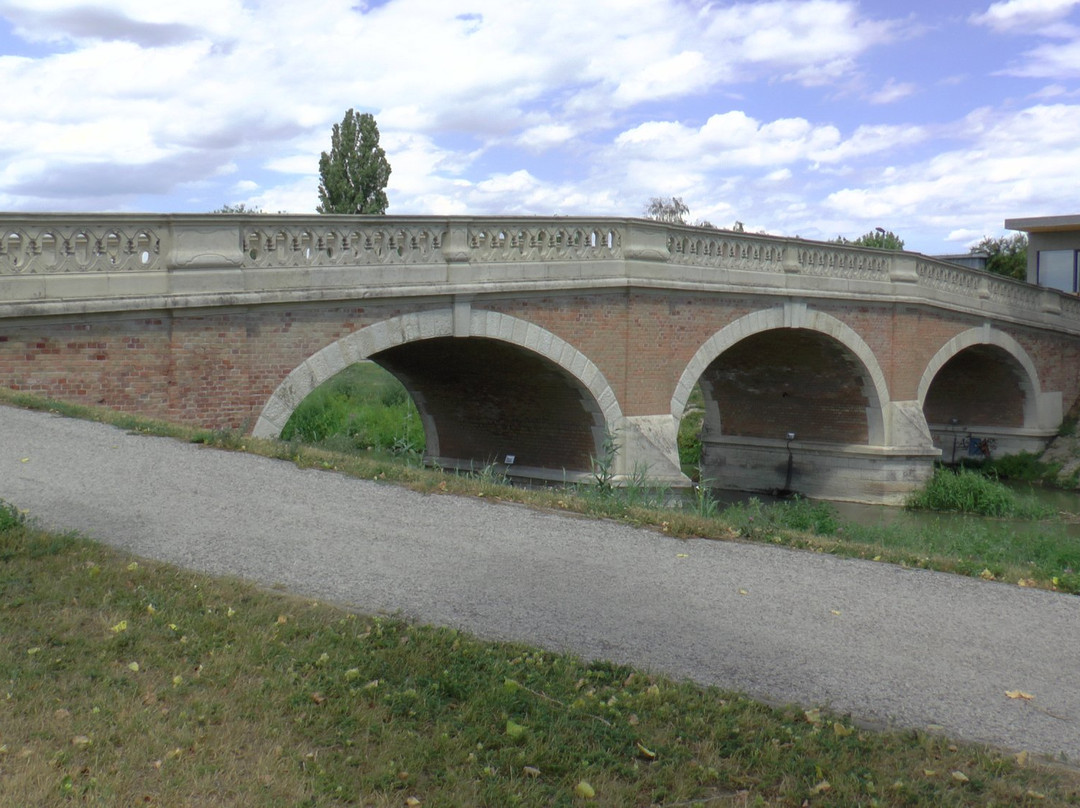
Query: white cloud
column 1024, row 15
column 892, row 91
column 1050, row 62
column 1014, row 165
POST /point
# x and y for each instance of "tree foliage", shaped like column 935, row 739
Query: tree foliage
column 667, row 209
column 1006, row 255
column 238, row 209
column 879, row 238
column 353, row 175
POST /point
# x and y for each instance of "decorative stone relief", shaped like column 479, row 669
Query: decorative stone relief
column 27, row 249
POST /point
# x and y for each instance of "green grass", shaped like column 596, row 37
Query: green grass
column 1022, row 467
column 362, row 408
column 689, row 437
column 125, row 681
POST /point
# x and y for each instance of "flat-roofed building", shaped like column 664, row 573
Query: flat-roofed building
column 1053, row 245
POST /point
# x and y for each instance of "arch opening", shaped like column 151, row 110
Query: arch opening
column 533, row 389
column 485, row 402
column 795, row 400
column 981, row 395
column 787, row 381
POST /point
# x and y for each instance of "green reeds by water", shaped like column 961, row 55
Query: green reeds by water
column 966, row 491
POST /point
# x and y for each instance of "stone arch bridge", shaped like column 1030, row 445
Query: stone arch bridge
column 836, row 371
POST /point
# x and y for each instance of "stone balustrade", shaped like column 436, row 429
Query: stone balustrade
column 114, row 257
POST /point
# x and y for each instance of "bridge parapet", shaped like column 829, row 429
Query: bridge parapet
column 91, row 262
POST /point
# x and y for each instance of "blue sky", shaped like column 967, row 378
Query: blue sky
column 816, row 118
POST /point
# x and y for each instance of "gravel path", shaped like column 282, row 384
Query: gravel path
column 908, row 648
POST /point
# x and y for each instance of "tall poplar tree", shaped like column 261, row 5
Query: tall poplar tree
column 353, row 176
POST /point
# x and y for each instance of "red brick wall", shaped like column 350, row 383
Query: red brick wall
column 219, row 367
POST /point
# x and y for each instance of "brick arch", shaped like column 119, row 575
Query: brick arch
column 986, row 335
column 422, row 325
column 791, row 315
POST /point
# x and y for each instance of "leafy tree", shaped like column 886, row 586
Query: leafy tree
column 1006, row 255
column 879, row 238
column 238, row 208
column 354, row 174
column 667, row 209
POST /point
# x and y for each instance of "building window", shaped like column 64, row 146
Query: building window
column 1057, row 269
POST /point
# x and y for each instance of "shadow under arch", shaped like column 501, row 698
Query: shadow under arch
column 986, row 335
column 792, row 316
column 431, row 325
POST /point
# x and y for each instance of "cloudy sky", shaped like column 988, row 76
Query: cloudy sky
column 936, row 119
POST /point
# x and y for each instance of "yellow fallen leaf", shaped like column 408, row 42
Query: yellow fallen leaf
column 645, row 752
column 133, row 666
column 959, row 777
column 743, row 592
column 986, row 575
column 282, row 619
column 682, row 555
column 584, row 790
column 121, row 626
column 531, row 771
column 929, row 772
column 813, row 716
column 134, row 565
column 835, row 612
column 25, row 460
column 412, row 802
column 820, row 788
column 1036, row 795
column 1021, row 757
column 840, row 730
column 514, row 729
column 1019, row 694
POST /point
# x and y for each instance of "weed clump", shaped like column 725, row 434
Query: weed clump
column 967, row 491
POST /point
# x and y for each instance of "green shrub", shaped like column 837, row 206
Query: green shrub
column 967, row 491
column 1022, row 467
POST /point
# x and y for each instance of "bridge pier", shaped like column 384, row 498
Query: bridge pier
column 648, row 446
column 849, row 473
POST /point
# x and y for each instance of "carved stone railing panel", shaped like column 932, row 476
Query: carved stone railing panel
column 38, row 245
column 1070, row 307
column 543, row 242
column 726, row 251
column 948, row 278
column 276, row 245
column 1015, row 294
column 28, row 249
column 839, row 262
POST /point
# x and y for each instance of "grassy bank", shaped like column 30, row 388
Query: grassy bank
column 1046, row 557
column 124, row 681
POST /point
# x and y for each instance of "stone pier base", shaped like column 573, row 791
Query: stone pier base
column 848, row 473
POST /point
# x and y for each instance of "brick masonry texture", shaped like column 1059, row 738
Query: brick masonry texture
column 217, row 368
